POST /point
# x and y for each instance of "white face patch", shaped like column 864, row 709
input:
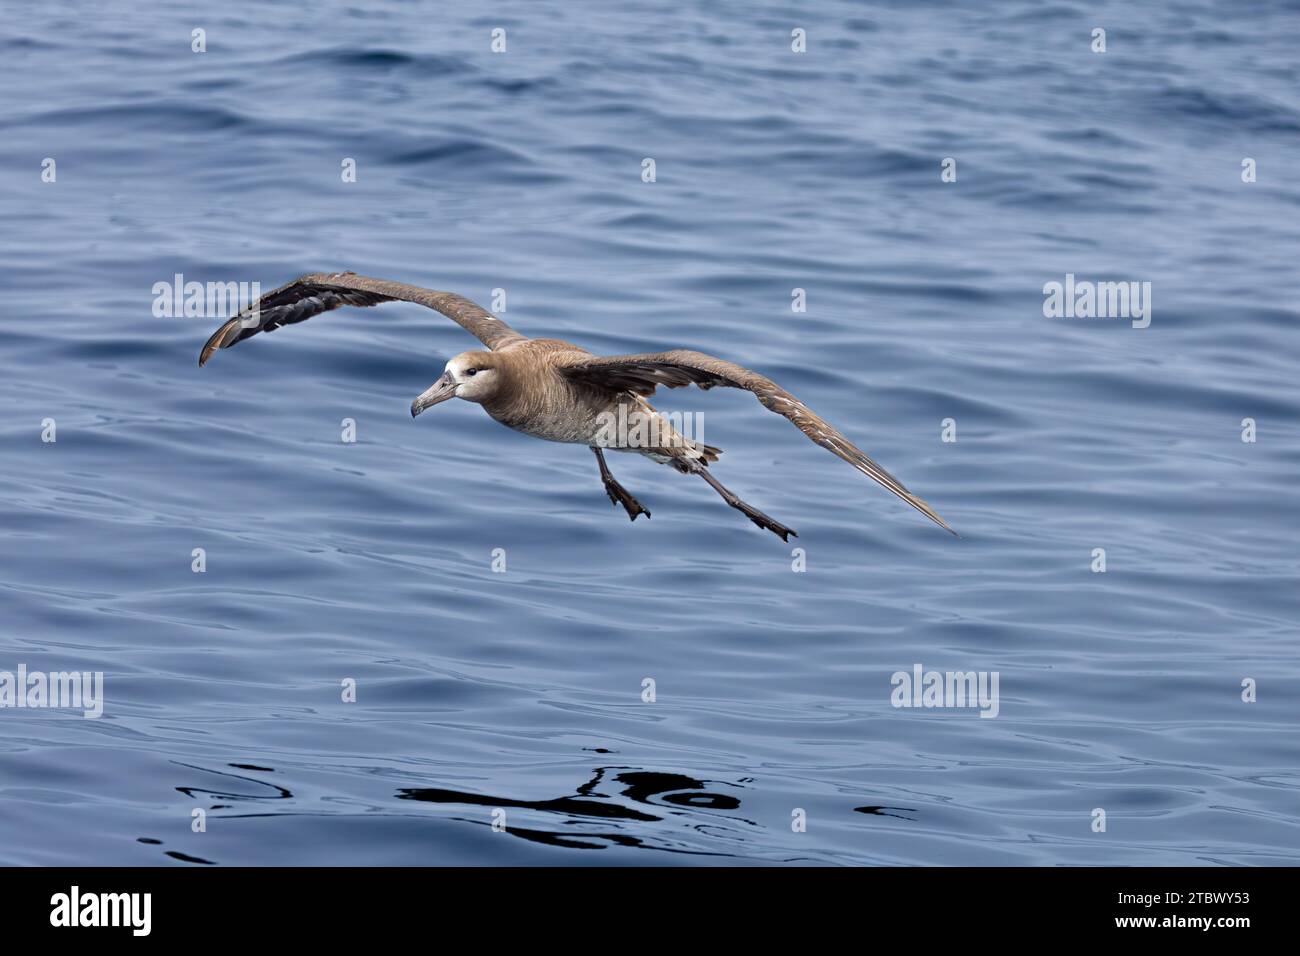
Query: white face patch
column 473, row 379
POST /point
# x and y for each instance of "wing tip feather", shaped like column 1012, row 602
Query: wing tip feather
column 217, row 340
column 930, row 513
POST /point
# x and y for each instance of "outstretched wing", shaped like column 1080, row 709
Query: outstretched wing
column 321, row 292
column 642, row 374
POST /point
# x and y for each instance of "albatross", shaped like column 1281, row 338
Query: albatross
column 558, row 391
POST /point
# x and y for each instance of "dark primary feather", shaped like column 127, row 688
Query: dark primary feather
column 322, row 292
column 642, row 374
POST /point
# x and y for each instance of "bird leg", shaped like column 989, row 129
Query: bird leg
column 617, row 493
column 753, row 514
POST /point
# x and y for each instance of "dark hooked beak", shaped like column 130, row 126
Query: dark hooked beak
column 439, row 391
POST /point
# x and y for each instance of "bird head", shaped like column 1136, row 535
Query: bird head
column 473, row 376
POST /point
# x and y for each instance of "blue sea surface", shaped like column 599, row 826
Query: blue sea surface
column 669, row 691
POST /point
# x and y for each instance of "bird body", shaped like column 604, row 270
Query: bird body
column 531, row 393
column 560, row 392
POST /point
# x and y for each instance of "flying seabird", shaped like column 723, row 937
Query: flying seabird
column 560, row 392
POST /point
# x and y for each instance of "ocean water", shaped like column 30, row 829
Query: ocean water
column 518, row 697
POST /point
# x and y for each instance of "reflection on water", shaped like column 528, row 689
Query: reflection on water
column 260, row 788
column 884, row 811
column 605, row 796
column 614, row 806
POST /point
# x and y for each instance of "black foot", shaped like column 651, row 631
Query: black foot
column 763, row 521
column 621, row 496
column 750, row 512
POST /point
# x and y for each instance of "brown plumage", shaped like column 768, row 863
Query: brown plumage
column 561, row 392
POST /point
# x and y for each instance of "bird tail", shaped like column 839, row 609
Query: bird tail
column 708, row 452
column 691, row 456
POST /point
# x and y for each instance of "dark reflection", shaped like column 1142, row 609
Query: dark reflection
column 602, row 797
column 880, row 811
column 679, row 790
column 186, row 858
column 623, row 797
column 589, row 841
column 235, row 792
column 280, row 793
column 571, row 805
column 641, row 786
column 175, row 854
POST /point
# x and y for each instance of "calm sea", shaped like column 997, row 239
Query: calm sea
column 672, row 691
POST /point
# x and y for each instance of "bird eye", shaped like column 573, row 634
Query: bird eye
column 471, row 371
